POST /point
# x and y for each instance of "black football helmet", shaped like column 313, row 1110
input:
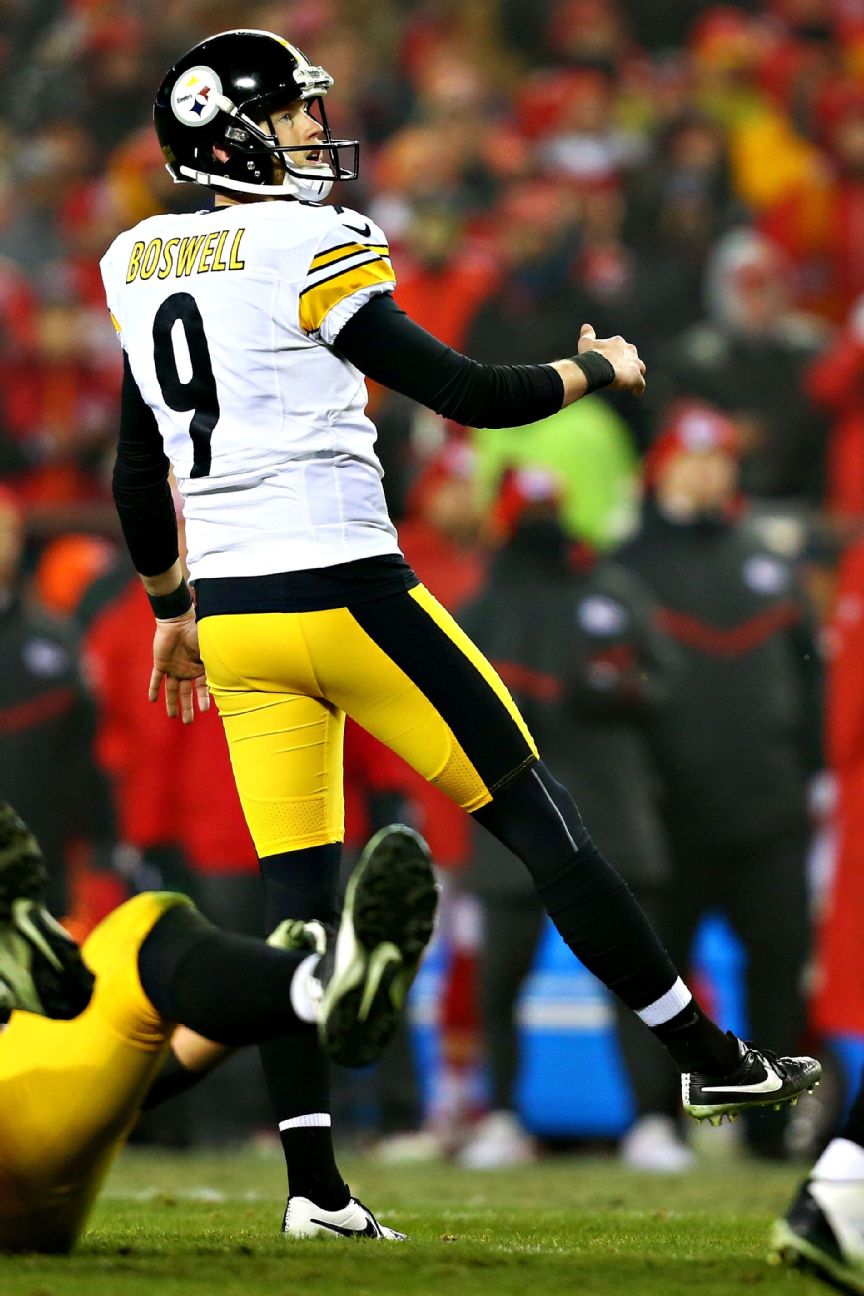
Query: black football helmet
column 216, row 94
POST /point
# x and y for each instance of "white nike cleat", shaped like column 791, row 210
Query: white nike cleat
column 761, row 1079
column 823, row 1232
column 303, row 1219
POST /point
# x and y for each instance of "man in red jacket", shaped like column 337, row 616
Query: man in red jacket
column 835, row 381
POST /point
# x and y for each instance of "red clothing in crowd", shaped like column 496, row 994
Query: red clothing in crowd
column 17, row 310
column 836, row 382
column 173, row 784
column 134, row 741
column 62, row 405
column 444, row 300
column 839, row 1000
column 822, row 229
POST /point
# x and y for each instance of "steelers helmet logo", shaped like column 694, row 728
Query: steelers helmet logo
column 194, row 99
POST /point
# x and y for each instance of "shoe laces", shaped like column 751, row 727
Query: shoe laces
column 767, row 1055
column 370, row 1213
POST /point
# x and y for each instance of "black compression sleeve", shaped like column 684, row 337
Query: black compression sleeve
column 141, row 490
column 389, row 347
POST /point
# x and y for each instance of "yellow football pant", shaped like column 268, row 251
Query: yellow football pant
column 70, row 1091
column 400, row 666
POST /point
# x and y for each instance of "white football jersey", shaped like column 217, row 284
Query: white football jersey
column 227, row 318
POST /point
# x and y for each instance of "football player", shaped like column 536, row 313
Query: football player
column 70, row 1091
column 823, row 1230
column 247, row 330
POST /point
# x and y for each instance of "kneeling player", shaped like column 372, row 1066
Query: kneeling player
column 70, row 1091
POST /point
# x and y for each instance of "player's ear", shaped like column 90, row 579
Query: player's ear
column 220, row 154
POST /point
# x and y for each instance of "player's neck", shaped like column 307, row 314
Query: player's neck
column 222, row 200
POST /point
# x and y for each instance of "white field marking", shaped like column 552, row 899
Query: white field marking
column 198, row 1193
column 536, row 1248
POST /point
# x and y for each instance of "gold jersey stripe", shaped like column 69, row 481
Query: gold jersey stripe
column 337, row 273
column 115, row 321
column 316, row 302
column 345, row 250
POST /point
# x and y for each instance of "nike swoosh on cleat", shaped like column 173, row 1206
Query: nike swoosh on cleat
column 770, row 1084
column 365, row 231
column 369, row 1231
column 385, row 956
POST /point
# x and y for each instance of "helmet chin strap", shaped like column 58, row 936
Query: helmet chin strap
column 292, row 186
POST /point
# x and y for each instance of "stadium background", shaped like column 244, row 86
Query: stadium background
column 667, row 170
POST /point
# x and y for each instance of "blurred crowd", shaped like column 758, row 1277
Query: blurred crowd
column 673, row 588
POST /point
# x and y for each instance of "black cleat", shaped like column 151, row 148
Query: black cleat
column 823, row 1233
column 761, row 1079
column 367, row 971
column 41, row 969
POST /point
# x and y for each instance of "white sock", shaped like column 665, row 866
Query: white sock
column 841, row 1161
column 312, row 1120
column 667, row 1006
column 306, row 989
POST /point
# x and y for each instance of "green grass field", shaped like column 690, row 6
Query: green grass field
column 172, row 1225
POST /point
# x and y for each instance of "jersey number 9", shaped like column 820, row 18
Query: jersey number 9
column 199, row 393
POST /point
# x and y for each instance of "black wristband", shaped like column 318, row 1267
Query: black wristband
column 167, row 606
column 596, row 368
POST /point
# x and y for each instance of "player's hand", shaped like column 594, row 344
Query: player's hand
column 623, row 357
column 177, row 661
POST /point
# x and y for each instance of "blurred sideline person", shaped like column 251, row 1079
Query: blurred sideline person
column 572, row 635
column 47, row 724
column 740, row 728
column 70, row 1091
column 749, row 358
column 247, row 331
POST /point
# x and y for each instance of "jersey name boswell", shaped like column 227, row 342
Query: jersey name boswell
column 195, row 254
column 228, row 320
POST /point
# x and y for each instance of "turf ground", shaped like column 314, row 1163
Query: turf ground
column 195, row 1225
